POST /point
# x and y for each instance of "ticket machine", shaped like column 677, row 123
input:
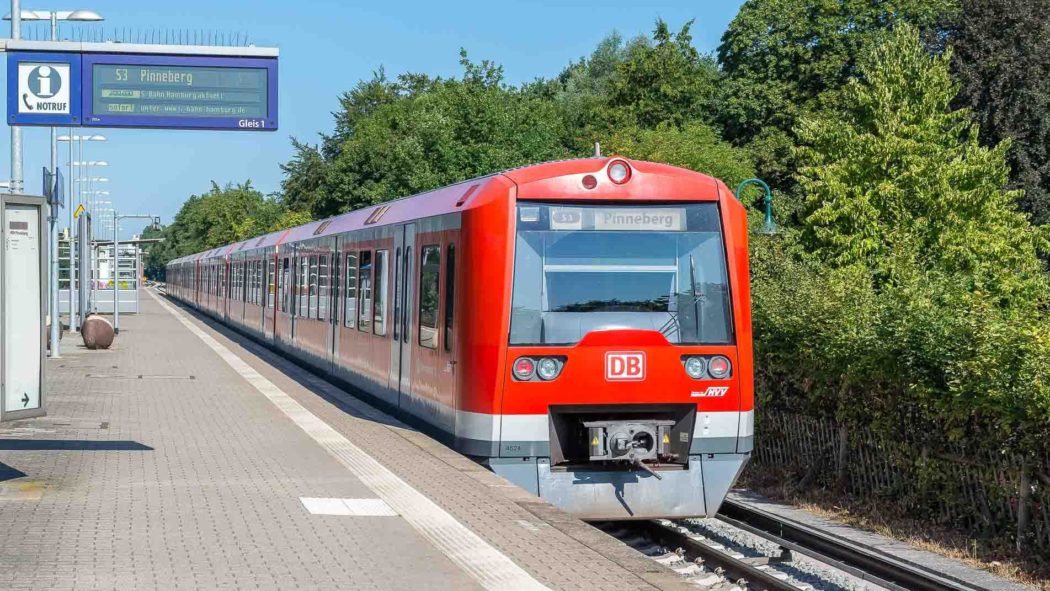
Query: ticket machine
column 23, row 305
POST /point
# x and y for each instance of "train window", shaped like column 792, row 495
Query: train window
column 381, row 284
column 350, row 303
column 405, row 313
column 303, row 284
column 333, row 297
column 322, row 287
column 311, row 289
column 429, row 282
column 271, row 285
column 397, row 293
column 284, row 284
column 450, row 291
column 584, row 268
column 364, row 282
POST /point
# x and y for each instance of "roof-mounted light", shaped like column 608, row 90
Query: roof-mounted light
column 619, row 172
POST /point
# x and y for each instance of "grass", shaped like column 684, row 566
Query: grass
column 1032, row 569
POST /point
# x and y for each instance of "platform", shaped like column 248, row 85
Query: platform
column 189, row 456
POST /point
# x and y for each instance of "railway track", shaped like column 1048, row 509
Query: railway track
column 710, row 564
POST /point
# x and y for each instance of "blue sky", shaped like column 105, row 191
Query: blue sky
column 326, row 47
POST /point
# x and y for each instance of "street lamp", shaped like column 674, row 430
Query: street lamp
column 79, row 141
column 116, row 262
column 768, row 227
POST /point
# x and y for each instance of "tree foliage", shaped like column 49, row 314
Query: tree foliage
column 781, row 56
column 913, row 280
column 1002, row 61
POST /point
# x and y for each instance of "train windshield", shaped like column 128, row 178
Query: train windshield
column 583, row 268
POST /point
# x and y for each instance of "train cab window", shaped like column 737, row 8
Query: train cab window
column 429, row 282
column 584, row 268
column 350, row 298
column 314, row 296
column 450, row 291
column 364, row 282
column 381, row 283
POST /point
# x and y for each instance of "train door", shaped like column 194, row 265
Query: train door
column 335, row 275
column 270, row 297
column 401, row 350
column 283, row 313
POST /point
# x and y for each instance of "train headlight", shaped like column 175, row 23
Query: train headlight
column 548, row 368
column 695, row 367
column 619, row 172
column 719, row 367
column 524, row 368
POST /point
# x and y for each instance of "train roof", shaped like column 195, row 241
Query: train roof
column 533, row 181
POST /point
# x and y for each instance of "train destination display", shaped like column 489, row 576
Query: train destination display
column 180, row 91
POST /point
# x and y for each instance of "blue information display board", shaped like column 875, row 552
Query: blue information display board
column 142, row 90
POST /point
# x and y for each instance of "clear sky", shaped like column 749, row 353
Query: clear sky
column 326, row 47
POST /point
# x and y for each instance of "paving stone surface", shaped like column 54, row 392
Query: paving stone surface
column 159, row 467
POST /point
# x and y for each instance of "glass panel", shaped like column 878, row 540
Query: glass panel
column 285, row 287
column 312, row 288
column 382, row 258
column 430, row 270
column 350, row 304
column 397, row 294
column 322, row 288
column 302, row 292
column 450, row 291
column 584, row 268
column 364, row 280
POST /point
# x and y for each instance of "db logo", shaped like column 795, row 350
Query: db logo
column 624, row 367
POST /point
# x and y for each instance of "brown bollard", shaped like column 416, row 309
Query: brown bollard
column 97, row 332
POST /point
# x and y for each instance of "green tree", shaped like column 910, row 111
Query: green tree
column 436, row 132
column 694, row 146
column 1002, row 61
column 915, row 282
column 781, row 56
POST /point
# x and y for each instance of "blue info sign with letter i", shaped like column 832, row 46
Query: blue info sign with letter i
column 43, row 88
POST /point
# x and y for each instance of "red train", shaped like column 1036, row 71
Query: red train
column 581, row 327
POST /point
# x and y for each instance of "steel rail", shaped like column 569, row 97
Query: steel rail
column 857, row 559
column 734, row 568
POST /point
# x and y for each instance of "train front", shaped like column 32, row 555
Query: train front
column 628, row 390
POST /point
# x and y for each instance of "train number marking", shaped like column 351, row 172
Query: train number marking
column 624, row 366
column 711, row 392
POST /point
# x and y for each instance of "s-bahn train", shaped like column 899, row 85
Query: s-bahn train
column 581, row 327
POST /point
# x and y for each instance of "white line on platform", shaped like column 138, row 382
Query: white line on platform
column 354, row 507
column 492, row 569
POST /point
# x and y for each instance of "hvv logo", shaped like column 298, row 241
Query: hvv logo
column 624, row 366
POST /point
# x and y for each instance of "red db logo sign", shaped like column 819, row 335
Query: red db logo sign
column 624, row 367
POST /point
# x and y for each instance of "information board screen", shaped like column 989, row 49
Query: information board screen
column 180, row 91
column 193, row 91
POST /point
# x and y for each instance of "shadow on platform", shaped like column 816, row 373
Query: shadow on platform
column 9, row 472
column 68, row 445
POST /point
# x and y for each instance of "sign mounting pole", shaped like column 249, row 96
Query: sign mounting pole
column 16, row 132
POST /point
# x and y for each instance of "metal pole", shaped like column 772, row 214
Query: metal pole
column 116, row 278
column 16, row 131
column 72, row 263
column 56, row 320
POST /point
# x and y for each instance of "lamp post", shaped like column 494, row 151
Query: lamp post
column 116, row 261
column 79, row 148
column 16, row 17
column 768, row 227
